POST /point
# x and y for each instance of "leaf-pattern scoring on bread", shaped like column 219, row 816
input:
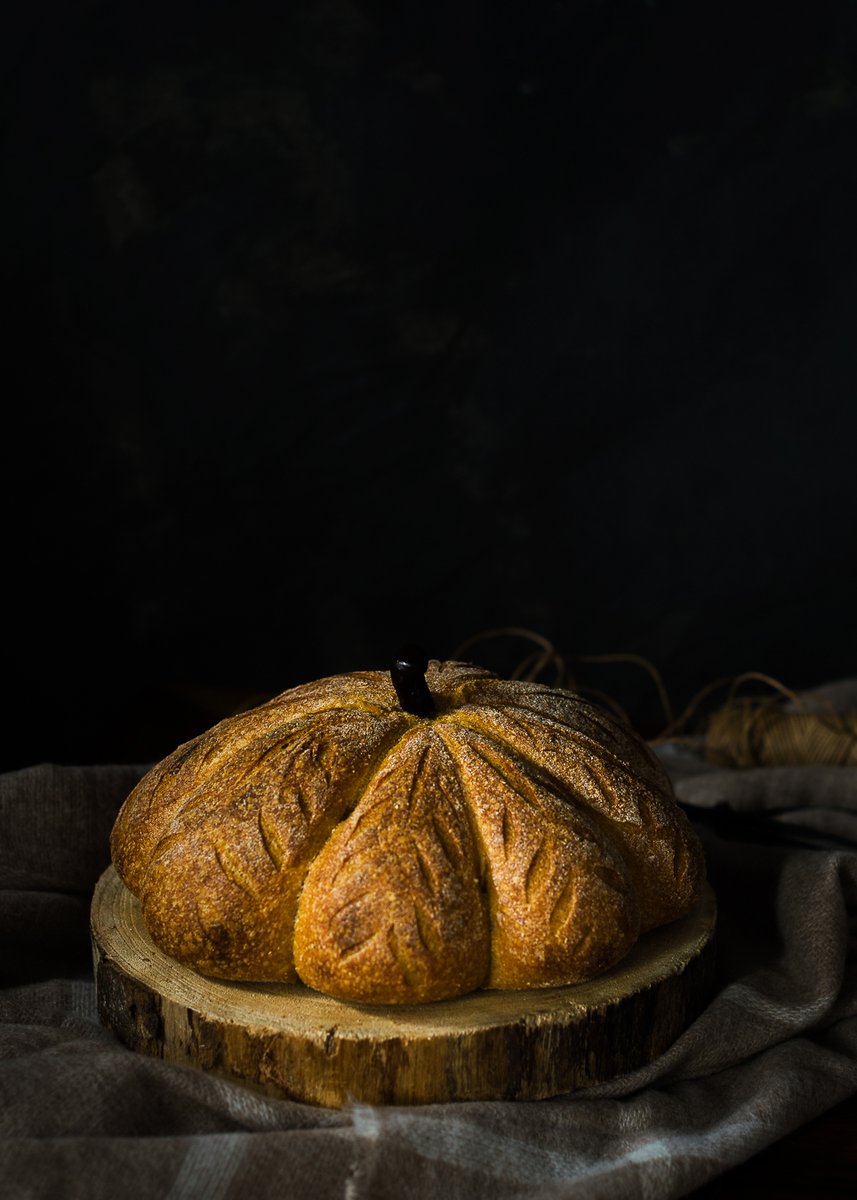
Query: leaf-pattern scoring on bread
column 520, row 837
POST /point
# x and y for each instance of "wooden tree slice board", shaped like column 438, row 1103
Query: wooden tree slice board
column 297, row 1043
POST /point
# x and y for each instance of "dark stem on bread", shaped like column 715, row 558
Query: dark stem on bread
column 408, row 673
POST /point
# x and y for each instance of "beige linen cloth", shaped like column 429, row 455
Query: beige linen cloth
column 82, row 1116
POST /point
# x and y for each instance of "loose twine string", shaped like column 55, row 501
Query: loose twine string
column 779, row 728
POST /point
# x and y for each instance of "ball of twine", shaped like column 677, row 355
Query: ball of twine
column 780, row 727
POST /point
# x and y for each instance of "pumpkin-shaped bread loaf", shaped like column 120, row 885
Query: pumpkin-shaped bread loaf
column 499, row 835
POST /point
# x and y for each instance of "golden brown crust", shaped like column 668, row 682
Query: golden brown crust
column 392, row 909
column 562, row 904
column 616, row 779
column 521, row 837
column 218, row 855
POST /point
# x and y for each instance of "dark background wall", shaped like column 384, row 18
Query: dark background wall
column 363, row 322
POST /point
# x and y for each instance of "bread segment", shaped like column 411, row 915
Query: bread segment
column 392, row 910
column 618, row 782
column 215, row 761
column 563, row 907
column 219, row 886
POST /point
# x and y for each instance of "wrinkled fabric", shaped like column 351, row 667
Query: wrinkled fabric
column 81, row 1115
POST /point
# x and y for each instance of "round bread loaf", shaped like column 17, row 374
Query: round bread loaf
column 512, row 836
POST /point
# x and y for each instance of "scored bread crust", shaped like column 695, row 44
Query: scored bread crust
column 520, row 837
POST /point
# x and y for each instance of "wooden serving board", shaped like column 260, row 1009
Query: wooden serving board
column 297, row 1043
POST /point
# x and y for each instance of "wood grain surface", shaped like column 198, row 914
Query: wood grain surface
column 294, row 1042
